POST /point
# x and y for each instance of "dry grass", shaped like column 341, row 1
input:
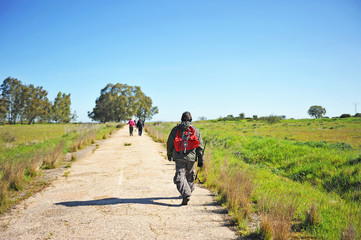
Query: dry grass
column 157, row 136
column 52, row 157
column 276, row 214
column 206, row 163
column 312, row 216
column 3, row 190
column 349, row 233
column 83, row 141
column 34, row 165
column 236, row 187
column 266, row 228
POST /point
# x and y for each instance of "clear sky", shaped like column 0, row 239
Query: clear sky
column 210, row 57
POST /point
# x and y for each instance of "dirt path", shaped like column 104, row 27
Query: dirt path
column 117, row 192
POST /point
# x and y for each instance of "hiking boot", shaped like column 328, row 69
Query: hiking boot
column 185, row 200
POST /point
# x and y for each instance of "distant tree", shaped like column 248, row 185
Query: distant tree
column 60, row 111
column 345, row 115
column 271, row 119
column 255, row 117
column 229, row 117
column 3, row 110
column 357, row 115
column 119, row 102
column 316, row 111
column 74, row 117
column 11, row 94
column 36, row 103
column 113, row 104
column 145, row 110
column 241, row 115
column 22, row 103
column 202, row 118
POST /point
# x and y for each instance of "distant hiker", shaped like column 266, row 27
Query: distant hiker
column 131, row 124
column 185, row 146
column 140, row 125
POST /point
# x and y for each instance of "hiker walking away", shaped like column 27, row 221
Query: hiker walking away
column 131, row 124
column 185, row 146
column 140, row 125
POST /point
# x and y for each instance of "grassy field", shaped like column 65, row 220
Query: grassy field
column 302, row 177
column 26, row 149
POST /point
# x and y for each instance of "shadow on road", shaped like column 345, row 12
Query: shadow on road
column 115, row 201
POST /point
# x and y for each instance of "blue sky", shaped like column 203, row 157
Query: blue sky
column 212, row 58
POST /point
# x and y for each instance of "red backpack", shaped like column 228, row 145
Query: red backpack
column 186, row 140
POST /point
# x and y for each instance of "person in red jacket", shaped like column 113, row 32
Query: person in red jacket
column 185, row 147
column 131, row 124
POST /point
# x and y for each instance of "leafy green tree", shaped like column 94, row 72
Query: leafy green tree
column 146, row 111
column 36, row 103
column 11, row 94
column 113, row 104
column 316, row 111
column 3, row 110
column 119, row 102
column 25, row 95
column 60, row 111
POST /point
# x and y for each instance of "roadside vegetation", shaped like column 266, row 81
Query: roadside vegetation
column 294, row 178
column 28, row 150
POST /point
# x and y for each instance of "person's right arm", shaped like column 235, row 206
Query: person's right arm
column 170, row 143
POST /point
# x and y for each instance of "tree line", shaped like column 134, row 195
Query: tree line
column 21, row 103
column 314, row 111
column 119, row 102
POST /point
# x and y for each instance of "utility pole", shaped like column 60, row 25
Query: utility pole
column 355, row 107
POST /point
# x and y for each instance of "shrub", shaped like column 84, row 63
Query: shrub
column 345, row 115
column 271, row 119
column 8, row 137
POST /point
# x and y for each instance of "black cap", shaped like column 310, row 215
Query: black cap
column 186, row 116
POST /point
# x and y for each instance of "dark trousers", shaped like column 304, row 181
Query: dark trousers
column 184, row 177
column 130, row 131
column 140, row 131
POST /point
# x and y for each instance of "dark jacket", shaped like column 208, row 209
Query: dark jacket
column 190, row 155
column 140, row 124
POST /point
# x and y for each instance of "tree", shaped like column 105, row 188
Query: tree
column 20, row 102
column 119, row 102
column 241, row 115
column 345, row 115
column 113, row 104
column 60, row 111
column 11, row 94
column 36, row 103
column 3, row 110
column 145, row 110
column 271, row 119
column 316, row 111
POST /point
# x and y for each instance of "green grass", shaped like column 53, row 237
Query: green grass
column 25, row 149
column 303, row 177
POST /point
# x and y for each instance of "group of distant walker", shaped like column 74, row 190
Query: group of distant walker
column 139, row 125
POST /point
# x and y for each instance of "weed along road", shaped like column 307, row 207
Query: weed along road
column 117, row 192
